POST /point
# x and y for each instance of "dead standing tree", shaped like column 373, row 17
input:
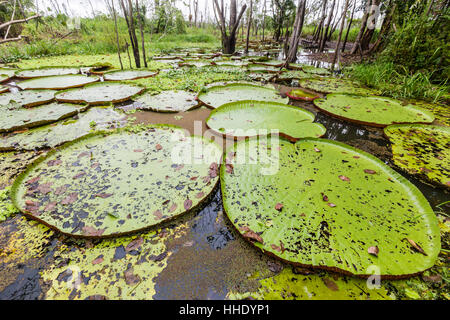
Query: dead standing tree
column 336, row 51
column 229, row 38
column 296, row 32
column 129, row 18
column 249, row 24
column 12, row 22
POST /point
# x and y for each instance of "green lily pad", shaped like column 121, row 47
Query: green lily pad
column 250, row 118
column 372, row 110
column 128, row 75
column 3, row 89
column 290, row 286
column 288, row 75
column 20, row 118
column 100, row 68
column 334, row 85
column 440, row 111
column 28, row 98
column 120, row 182
column 52, row 135
column 46, row 72
column 57, row 82
column 299, row 94
column 131, row 263
column 168, row 101
column 422, row 150
column 258, row 68
column 315, row 71
column 7, row 71
column 216, row 96
column 195, row 63
column 270, row 63
column 13, row 163
column 324, row 204
column 4, row 78
column 100, row 93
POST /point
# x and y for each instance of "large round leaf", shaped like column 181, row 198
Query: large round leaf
column 128, row 75
column 324, row 204
column 57, row 82
column 28, row 98
column 46, row 72
column 334, row 85
column 7, row 71
column 111, row 184
column 168, row 101
column 20, row 118
column 422, row 150
column 250, row 118
column 216, row 96
column 373, row 110
column 100, row 93
column 4, row 89
column 299, row 94
column 4, row 78
column 52, row 135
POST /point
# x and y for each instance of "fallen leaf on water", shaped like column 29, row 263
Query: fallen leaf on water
column 187, row 204
column 330, row 284
column 279, row 206
column 158, row 215
column 71, row 198
column 79, row 175
column 373, row 251
column 275, row 247
column 173, row 207
column 417, row 247
column 316, row 150
column 134, row 244
column 368, row 171
column 199, row 195
column 253, row 236
column 130, row 278
column 104, row 195
column 324, row 197
column 52, row 163
column 332, row 205
column 91, row 231
column 98, row 260
column 50, row 206
column 158, row 147
column 344, row 178
column 229, row 168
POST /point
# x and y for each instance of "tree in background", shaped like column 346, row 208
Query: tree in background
column 12, row 15
column 228, row 37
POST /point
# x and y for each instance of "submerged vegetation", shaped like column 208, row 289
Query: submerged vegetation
column 150, row 155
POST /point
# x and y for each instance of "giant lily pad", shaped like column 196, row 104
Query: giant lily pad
column 20, row 118
column 440, row 111
column 262, row 68
column 334, row 85
column 46, row 72
column 128, row 75
column 324, row 204
column 250, row 118
column 372, row 110
column 53, row 135
column 4, row 78
column 216, row 96
column 3, row 89
column 117, row 183
column 100, row 93
column 7, row 71
column 316, row 71
column 28, row 98
column 422, row 150
column 168, row 101
column 57, row 82
column 299, row 94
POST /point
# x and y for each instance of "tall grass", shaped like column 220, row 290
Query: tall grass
column 397, row 82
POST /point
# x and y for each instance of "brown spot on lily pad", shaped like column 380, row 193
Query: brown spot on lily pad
column 91, row 231
column 373, row 251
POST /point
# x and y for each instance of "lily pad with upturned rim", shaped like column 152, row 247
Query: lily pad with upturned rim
column 250, row 118
column 323, row 204
column 422, row 150
column 335, row 85
column 57, row 82
column 52, row 135
column 299, row 94
column 46, row 72
column 122, row 75
column 168, row 101
column 372, row 110
column 216, row 96
column 115, row 183
column 3, row 89
column 27, row 98
column 21, row 118
column 100, row 93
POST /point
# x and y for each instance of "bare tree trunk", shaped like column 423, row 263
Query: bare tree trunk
column 128, row 13
column 367, row 37
column 336, row 51
column 141, row 27
column 324, row 38
column 349, row 27
column 357, row 43
column 297, row 32
column 229, row 39
column 322, row 21
column 117, row 33
column 129, row 57
column 249, row 23
column 385, row 28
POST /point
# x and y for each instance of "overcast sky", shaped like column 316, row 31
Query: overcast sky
column 82, row 8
